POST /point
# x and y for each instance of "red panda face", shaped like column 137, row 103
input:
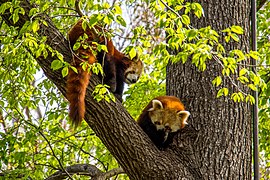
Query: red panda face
column 133, row 71
column 167, row 118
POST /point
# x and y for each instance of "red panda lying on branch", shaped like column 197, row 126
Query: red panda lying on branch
column 162, row 118
column 118, row 68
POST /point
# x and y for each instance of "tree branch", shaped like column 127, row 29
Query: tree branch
column 109, row 174
column 82, row 169
column 123, row 137
column 77, row 7
column 86, row 170
column 260, row 4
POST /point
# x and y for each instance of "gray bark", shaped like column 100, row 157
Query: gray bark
column 223, row 147
column 216, row 145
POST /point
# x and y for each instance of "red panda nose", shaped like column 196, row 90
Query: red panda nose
column 133, row 80
column 168, row 129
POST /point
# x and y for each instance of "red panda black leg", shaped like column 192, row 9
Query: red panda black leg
column 109, row 69
column 120, row 81
column 113, row 75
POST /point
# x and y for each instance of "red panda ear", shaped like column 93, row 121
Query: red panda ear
column 184, row 116
column 156, row 104
column 136, row 58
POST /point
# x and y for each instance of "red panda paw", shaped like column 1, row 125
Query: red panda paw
column 119, row 97
column 112, row 84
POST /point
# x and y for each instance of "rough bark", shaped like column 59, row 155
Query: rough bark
column 222, row 149
column 215, row 146
column 122, row 136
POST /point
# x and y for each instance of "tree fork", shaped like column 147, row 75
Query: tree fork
column 222, row 148
column 111, row 122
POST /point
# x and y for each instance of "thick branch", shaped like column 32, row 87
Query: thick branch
column 82, row 169
column 260, row 4
column 111, row 122
column 86, row 170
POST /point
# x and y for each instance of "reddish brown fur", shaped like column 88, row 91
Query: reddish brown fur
column 169, row 102
column 78, row 82
column 161, row 124
column 76, row 89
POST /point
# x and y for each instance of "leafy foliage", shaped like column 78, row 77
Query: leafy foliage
column 264, row 100
column 35, row 137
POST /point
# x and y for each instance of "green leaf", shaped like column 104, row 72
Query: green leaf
column 227, row 38
column 64, row 71
column 132, row 53
column 5, row 6
column 76, row 46
column 121, row 21
column 226, row 30
column 192, row 34
column 185, row 19
column 235, row 37
column 84, row 25
column 60, row 56
column 15, row 16
column 225, row 91
column 254, row 55
column 243, row 79
column 84, row 65
column 235, row 97
column 107, row 20
column 237, row 29
column 220, row 48
column 104, row 48
column 74, row 69
column 198, row 10
column 217, row 81
column 62, row 2
column 93, row 20
column 106, row 5
column 220, row 93
column 35, row 26
column 33, row 11
column 243, row 71
column 253, row 87
column 250, row 99
column 56, row 64
column 118, row 9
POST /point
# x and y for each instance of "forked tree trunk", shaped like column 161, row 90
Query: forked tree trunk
column 222, row 149
column 217, row 143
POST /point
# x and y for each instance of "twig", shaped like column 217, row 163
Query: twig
column 39, row 131
column 68, row 8
column 249, row 65
column 230, row 78
column 63, row 15
column 60, row 163
column 77, row 7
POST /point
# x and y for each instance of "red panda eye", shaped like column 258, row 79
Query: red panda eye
column 168, row 128
column 132, row 72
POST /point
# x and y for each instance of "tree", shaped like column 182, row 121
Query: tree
column 216, row 145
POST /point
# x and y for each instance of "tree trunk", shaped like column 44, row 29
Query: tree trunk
column 216, row 145
column 223, row 146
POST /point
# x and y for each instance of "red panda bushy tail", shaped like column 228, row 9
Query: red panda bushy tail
column 76, row 89
column 78, row 82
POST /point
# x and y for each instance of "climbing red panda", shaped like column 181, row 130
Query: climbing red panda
column 117, row 68
column 162, row 118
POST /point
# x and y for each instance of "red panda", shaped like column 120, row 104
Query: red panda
column 162, row 118
column 118, row 68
